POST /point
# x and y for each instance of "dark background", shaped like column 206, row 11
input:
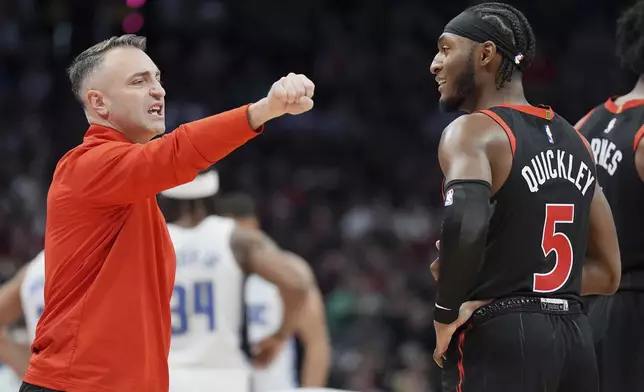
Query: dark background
column 353, row 186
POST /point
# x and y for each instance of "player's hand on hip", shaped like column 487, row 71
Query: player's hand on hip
column 444, row 332
column 266, row 350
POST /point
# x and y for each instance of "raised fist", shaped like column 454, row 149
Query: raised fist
column 292, row 94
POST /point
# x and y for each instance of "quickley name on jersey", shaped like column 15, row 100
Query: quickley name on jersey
column 556, row 164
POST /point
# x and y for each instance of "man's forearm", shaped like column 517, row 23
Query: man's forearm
column 597, row 279
column 315, row 369
column 294, row 301
column 259, row 113
column 463, row 240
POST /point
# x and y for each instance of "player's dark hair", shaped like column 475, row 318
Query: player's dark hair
column 86, row 62
column 236, row 205
column 515, row 25
column 630, row 38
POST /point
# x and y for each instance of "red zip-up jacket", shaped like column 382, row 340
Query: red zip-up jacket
column 110, row 265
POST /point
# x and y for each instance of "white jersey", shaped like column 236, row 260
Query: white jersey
column 32, row 293
column 265, row 314
column 207, row 307
column 9, row 382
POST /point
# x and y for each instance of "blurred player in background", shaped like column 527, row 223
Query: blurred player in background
column 265, row 314
column 22, row 296
column 615, row 130
column 214, row 256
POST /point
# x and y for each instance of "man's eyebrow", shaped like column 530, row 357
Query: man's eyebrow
column 144, row 73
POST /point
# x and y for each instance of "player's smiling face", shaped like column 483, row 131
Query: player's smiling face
column 453, row 66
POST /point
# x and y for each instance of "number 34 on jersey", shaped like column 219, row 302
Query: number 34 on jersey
column 197, row 298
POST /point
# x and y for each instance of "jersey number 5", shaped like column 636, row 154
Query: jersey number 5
column 558, row 242
column 203, row 294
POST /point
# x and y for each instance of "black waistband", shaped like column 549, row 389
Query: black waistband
column 526, row 304
column 632, row 280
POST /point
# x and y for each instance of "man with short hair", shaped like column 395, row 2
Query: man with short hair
column 110, row 264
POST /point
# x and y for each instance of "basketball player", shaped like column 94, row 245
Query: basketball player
column 615, row 130
column 22, row 296
column 525, row 226
column 208, row 311
column 265, row 312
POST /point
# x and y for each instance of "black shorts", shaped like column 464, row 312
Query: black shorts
column 26, row 387
column 522, row 344
column 618, row 328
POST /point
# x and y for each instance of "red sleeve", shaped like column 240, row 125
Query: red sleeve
column 119, row 173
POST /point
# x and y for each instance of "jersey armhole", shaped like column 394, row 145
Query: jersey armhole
column 511, row 138
column 638, row 138
column 443, row 189
column 590, row 150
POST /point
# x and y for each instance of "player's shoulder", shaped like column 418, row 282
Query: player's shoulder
column 174, row 229
column 39, row 260
column 219, row 222
column 474, row 130
column 600, row 109
column 37, row 264
column 35, row 270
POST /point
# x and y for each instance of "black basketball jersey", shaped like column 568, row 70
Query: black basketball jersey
column 614, row 133
column 538, row 232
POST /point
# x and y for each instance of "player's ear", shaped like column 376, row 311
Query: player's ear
column 487, row 53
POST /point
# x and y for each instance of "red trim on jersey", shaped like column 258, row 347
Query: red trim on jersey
column 583, row 120
column 506, row 128
column 544, row 112
column 461, row 367
column 613, row 108
column 583, row 139
column 638, row 138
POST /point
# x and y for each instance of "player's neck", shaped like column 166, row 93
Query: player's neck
column 511, row 93
column 638, row 91
column 188, row 221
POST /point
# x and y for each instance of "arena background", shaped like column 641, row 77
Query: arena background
column 353, row 186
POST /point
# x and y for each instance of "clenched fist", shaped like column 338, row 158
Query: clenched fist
column 292, row 94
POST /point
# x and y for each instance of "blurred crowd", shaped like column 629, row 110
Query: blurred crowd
column 353, row 186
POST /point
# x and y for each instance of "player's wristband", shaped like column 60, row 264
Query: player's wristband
column 445, row 316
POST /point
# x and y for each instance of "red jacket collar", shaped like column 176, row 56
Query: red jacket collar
column 105, row 133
